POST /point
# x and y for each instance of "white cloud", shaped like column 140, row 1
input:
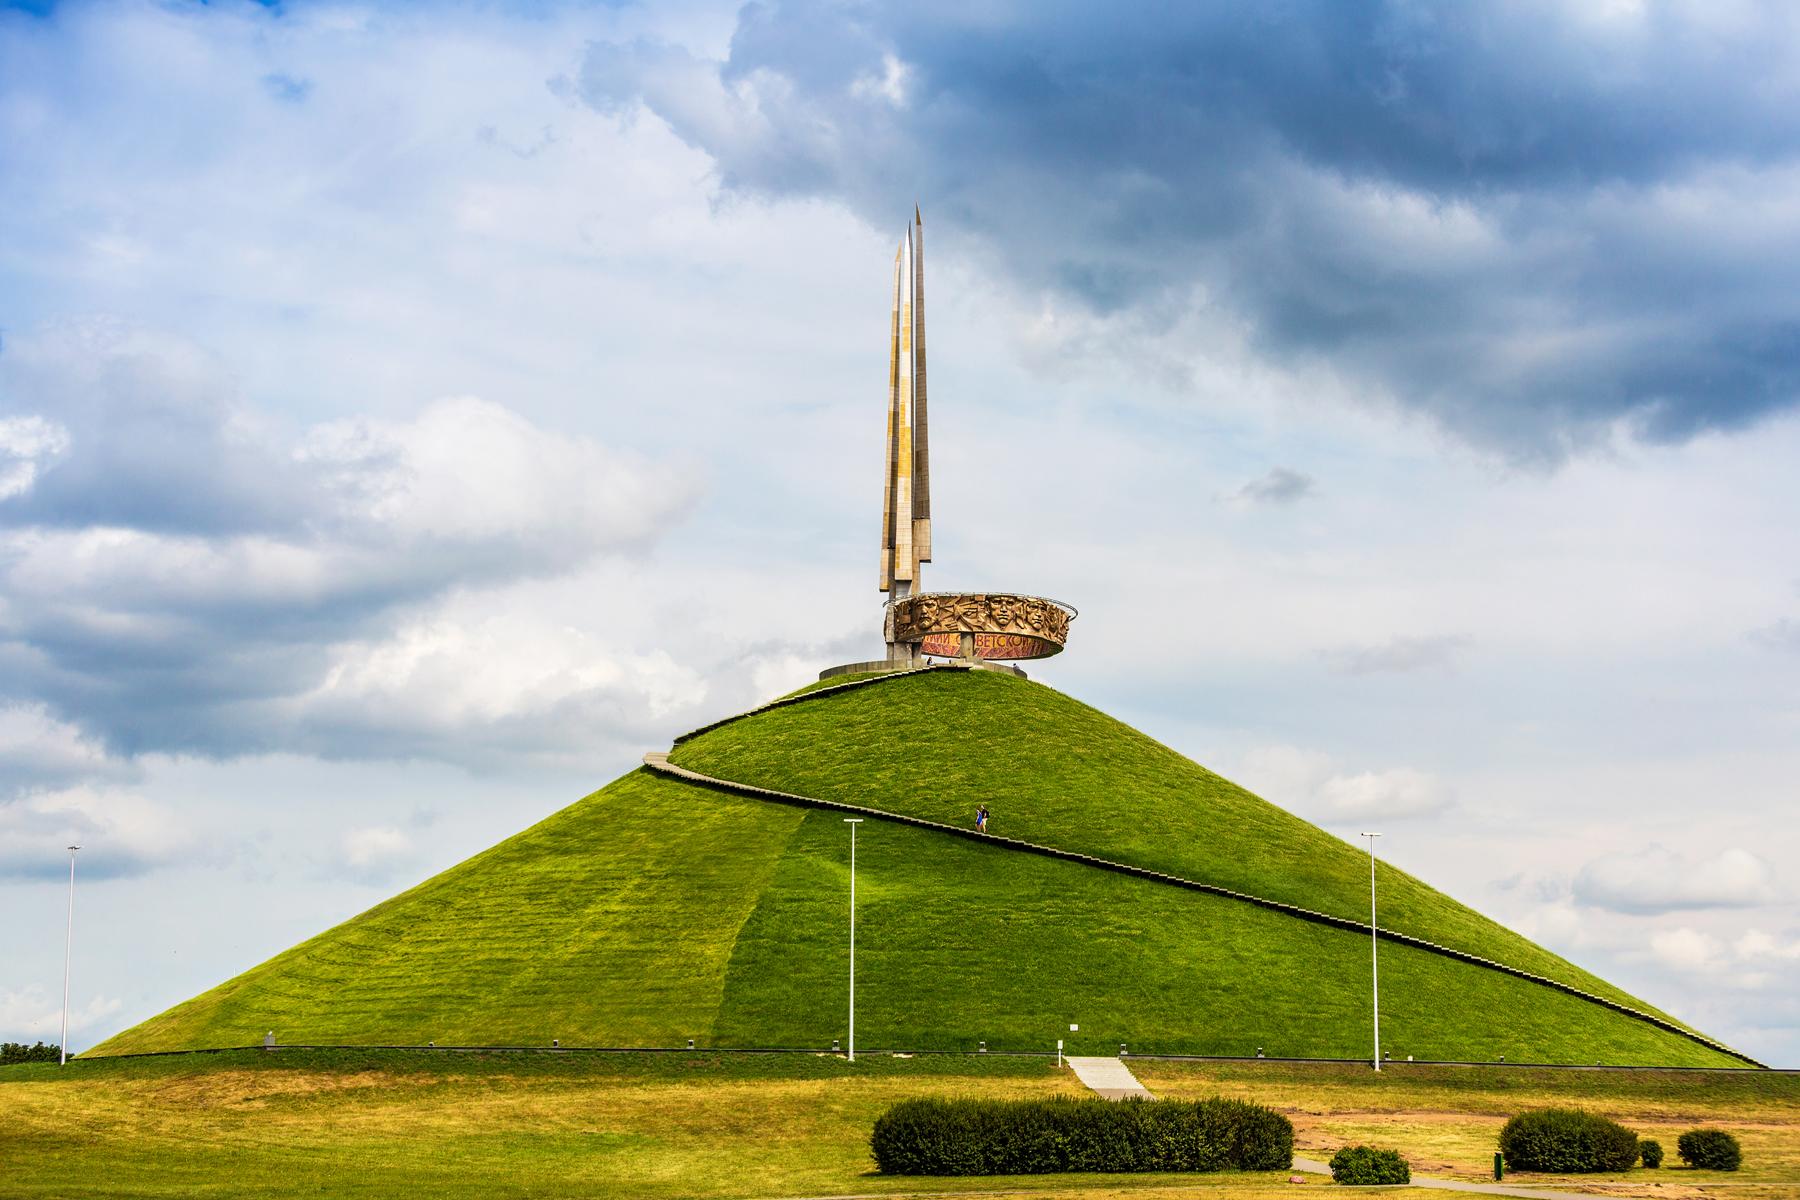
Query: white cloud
column 194, row 568
column 1686, row 949
column 1556, row 923
column 1780, row 635
column 1399, row 654
column 474, row 685
column 374, row 856
column 1752, row 961
column 468, row 470
column 1313, row 785
column 1278, row 771
column 1656, row 880
column 31, row 1014
column 889, row 85
column 1396, row 793
column 1754, row 945
column 119, row 832
column 38, row 751
column 375, row 847
column 27, row 445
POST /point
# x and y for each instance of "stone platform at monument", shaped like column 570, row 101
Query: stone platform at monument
column 882, row 666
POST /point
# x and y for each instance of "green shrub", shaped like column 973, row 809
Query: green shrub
column 1567, row 1140
column 1365, row 1164
column 1035, row 1137
column 1651, row 1151
column 1713, row 1149
column 19, row 1052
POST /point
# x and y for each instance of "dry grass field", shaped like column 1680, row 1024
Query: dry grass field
column 395, row 1124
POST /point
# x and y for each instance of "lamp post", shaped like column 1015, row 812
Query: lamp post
column 68, row 953
column 1374, row 951
column 853, row 822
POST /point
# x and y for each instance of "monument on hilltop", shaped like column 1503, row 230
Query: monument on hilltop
column 974, row 628
column 698, row 900
column 906, row 499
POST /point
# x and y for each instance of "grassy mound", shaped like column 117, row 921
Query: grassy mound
column 1055, row 771
column 610, row 923
column 654, row 911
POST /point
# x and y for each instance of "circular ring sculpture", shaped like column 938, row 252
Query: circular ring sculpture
column 985, row 625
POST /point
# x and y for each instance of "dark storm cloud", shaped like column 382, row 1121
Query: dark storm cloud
column 1529, row 222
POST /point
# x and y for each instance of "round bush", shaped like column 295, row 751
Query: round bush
column 1567, row 1140
column 1651, row 1151
column 1366, row 1164
column 1711, row 1149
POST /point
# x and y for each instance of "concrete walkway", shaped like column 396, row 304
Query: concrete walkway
column 1314, row 1166
column 1108, row 1078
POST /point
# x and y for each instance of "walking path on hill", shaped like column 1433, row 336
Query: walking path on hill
column 658, row 761
column 1108, row 1078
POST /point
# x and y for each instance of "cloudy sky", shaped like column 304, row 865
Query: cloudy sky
column 408, row 416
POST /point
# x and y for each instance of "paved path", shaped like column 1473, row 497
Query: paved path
column 1316, row 1167
column 1109, row 1078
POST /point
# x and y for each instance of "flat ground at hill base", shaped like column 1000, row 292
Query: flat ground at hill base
column 404, row 1124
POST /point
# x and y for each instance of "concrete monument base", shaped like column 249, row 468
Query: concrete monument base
column 882, row 665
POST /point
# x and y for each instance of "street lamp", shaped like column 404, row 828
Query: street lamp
column 68, row 952
column 853, row 822
column 1374, row 951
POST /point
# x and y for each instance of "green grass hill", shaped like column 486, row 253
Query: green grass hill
column 659, row 909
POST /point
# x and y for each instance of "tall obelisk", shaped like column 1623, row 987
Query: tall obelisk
column 973, row 629
column 906, row 499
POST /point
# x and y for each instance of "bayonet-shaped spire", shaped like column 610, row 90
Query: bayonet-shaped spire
column 906, row 498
